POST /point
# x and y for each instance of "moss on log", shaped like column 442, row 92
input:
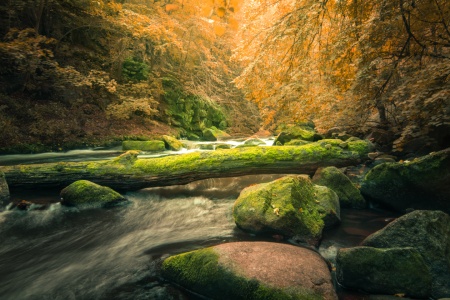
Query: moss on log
column 127, row 172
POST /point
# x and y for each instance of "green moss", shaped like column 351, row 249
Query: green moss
column 172, row 143
column 223, row 146
column 297, row 143
column 143, row 145
column 212, row 273
column 285, row 206
column 213, row 134
column 84, row 192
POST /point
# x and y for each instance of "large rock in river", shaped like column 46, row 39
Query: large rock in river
column 252, row 270
column 213, row 134
column 172, row 143
column 429, row 233
column 4, row 190
column 384, row 271
column 328, row 205
column 86, row 193
column 143, row 145
column 285, row 206
column 421, row 184
column 332, row 177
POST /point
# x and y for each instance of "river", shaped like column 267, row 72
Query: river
column 66, row 253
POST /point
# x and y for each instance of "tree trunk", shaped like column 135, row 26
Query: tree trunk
column 127, row 172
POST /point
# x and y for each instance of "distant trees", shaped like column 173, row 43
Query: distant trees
column 338, row 62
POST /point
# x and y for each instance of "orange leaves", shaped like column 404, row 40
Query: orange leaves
column 171, row 7
column 221, row 12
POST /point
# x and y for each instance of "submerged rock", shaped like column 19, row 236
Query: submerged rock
column 172, row 143
column 384, row 271
column 213, row 134
column 421, row 184
column 285, row 206
column 349, row 195
column 297, row 143
column 143, row 145
column 206, row 146
column 254, row 142
column 252, row 270
column 328, row 205
column 429, row 233
column 4, row 190
column 86, row 193
column 223, row 146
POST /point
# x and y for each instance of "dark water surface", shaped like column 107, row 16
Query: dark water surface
column 66, row 253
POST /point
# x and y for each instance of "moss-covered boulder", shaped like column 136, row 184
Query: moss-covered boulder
column 143, row 145
column 172, row 143
column 384, row 271
column 4, row 190
column 86, row 193
column 223, row 146
column 297, row 143
column 420, row 184
column 328, row 205
column 332, row 177
column 285, row 206
column 254, row 141
column 193, row 137
column 252, row 271
column 206, row 146
column 296, row 133
column 429, row 233
column 213, row 134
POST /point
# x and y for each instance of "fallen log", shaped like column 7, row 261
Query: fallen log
column 127, row 172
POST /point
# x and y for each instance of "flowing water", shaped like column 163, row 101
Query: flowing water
column 66, row 253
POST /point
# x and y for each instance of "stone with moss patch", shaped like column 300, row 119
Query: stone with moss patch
column 252, row 271
column 285, row 206
column 297, row 143
column 172, row 143
column 4, row 190
column 85, row 193
column 206, row 146
column 384, row 271
column 254, row 141
column 213, row 134
column 143, row 145
column 223, row 146
column 423, row 183
column 429, row 233
column 296, row 133
column 328, row 205
column 193, row 137
column 332, row 177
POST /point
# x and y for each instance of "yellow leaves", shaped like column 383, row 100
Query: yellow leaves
column 219, row 29
column 171, row 7
column 221, row 12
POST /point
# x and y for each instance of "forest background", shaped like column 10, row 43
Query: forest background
column 77, row 72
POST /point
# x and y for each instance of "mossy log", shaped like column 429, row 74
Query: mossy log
column 127, row 172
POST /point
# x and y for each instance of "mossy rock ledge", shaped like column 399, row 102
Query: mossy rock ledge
column 130, row 173
column 4, row 190
column 252, row 271
column 254, row 141
column 285, row 206
column 429, row 233
column 423, row 183
column 143, row 145
column 332, row 177
column 384, row 271
column 84, row 193
column 172, row 143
